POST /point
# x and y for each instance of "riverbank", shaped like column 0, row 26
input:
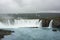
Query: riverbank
column 4, row 32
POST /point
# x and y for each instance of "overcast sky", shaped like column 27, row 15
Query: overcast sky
column 29, row 6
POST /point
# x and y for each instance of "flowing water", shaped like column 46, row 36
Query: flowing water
column 50, row 24
column 22, row 23
column 27, row 33
column 40, row 23
column 33, row 34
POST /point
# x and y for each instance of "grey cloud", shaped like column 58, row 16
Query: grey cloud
column 29, row 6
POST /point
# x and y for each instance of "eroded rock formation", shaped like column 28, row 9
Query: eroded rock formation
column 45, row 22
column 4, row 32
column 56, row 23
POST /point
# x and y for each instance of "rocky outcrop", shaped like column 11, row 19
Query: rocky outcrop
column 4, row 32
column 45, row 22
column 56, row 23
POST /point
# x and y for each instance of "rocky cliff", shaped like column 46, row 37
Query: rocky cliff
column 56, row 23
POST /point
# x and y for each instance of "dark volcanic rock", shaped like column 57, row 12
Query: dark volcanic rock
column 54, row 30
column 4, row 32
column 45, row 22
column 1, row 36
column 56, row 23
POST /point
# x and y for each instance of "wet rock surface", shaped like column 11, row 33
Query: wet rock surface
column 4, row 32
column 45, row 22
column 56, row 23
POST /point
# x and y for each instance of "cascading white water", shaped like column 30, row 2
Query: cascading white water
column 8, row 22
column 40, row 23
column 22, row 23
column 26, row 23
column 50, row 24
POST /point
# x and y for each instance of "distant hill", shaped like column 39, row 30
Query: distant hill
column 30, row 15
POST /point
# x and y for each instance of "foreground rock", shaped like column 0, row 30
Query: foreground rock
column 4, row 32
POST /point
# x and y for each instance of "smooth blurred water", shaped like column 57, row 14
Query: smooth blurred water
column 33, row 34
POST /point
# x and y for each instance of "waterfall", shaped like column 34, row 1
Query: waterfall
column 50, row 24
column 23, row 23
column 40, row 23
column 8, row 22
column 26, row 23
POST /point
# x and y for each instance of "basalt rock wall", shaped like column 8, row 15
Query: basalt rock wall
column 45, row 22
column 56, row 23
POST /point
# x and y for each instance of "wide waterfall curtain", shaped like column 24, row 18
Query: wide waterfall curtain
column 21, row 23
